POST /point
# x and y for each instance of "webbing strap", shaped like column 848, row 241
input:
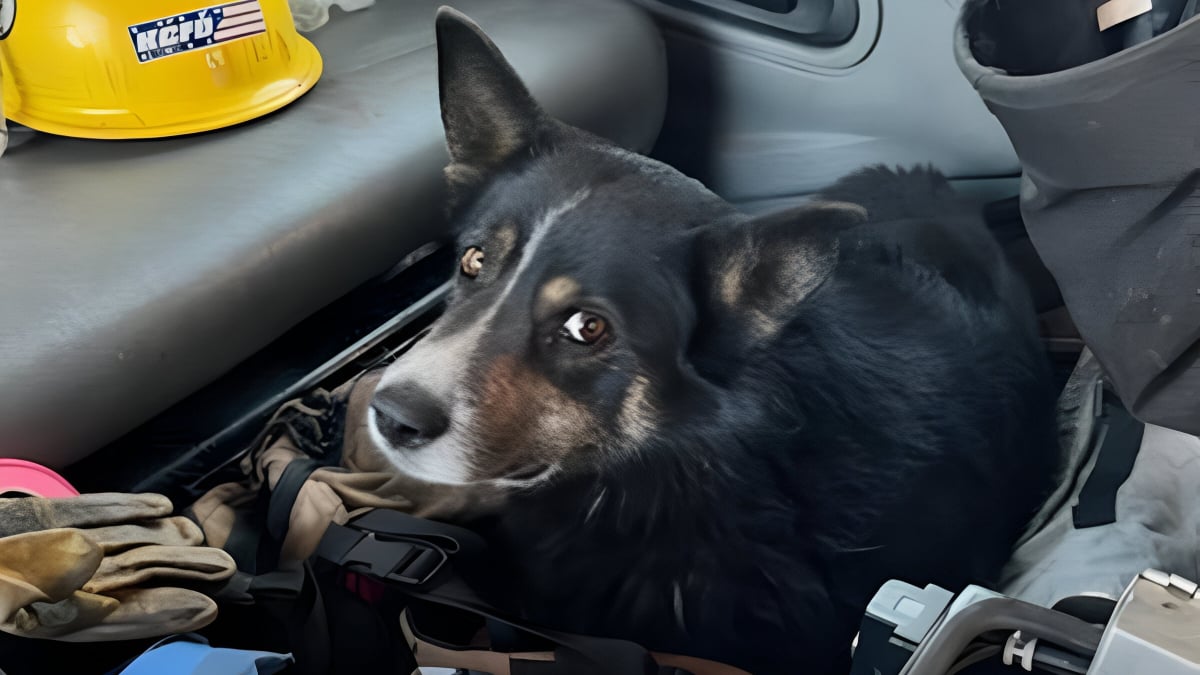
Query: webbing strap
column 1119, row 447
column 573, row 654
column 242, row 546
column 410, row 561
column 283, row 497
column 258, row 533
column 293, row 598
column 389, row 559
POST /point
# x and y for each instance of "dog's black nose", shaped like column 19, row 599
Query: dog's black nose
column 408, row 416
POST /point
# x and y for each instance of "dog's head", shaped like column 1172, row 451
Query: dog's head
column 591, row 281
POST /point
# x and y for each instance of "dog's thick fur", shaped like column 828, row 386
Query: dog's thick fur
column 783, row 413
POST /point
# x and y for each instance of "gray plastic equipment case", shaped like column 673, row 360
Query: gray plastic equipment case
column 1154, row 630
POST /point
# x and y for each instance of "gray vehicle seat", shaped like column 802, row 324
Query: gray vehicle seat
column 133, row 273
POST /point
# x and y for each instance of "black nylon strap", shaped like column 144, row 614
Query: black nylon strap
column 365, row 638
column 242, row 544
column 283, row 497
column 574, row 654
column 268, row 515
column 450, row 538
column 306, row 624
column 1119, row 447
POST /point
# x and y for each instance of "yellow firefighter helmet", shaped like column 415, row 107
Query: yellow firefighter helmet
column 134, row 69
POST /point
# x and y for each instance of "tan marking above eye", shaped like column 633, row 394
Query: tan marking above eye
column 503, row 241
column 472, row 261
column 556, row 292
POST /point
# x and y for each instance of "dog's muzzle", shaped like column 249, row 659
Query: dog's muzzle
column 408, row 417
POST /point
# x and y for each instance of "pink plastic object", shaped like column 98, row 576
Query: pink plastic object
column 18, row 475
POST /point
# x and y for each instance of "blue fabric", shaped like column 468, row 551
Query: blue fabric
column 192, row 655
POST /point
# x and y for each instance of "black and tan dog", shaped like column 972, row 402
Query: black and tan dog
column 718, row 435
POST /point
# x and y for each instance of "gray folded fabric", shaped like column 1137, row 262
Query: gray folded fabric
column 1157, row 527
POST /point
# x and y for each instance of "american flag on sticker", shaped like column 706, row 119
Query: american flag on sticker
column 198, row 29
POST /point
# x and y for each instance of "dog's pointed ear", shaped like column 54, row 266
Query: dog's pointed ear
column 487, row 112
column 755, row 274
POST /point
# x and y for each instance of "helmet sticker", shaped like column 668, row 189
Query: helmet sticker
column 8, row 13
column 198, row 29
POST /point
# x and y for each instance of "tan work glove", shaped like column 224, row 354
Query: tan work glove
column 92, row 568
column 32, row 514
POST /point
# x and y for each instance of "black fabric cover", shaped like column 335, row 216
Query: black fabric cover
column 1110, row 150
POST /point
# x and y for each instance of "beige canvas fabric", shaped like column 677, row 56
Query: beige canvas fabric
column 363, row 480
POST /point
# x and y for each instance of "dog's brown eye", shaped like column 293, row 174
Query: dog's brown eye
column 585, row 327
column 472, row 261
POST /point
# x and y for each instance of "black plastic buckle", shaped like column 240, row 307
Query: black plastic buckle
column 406, row 561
